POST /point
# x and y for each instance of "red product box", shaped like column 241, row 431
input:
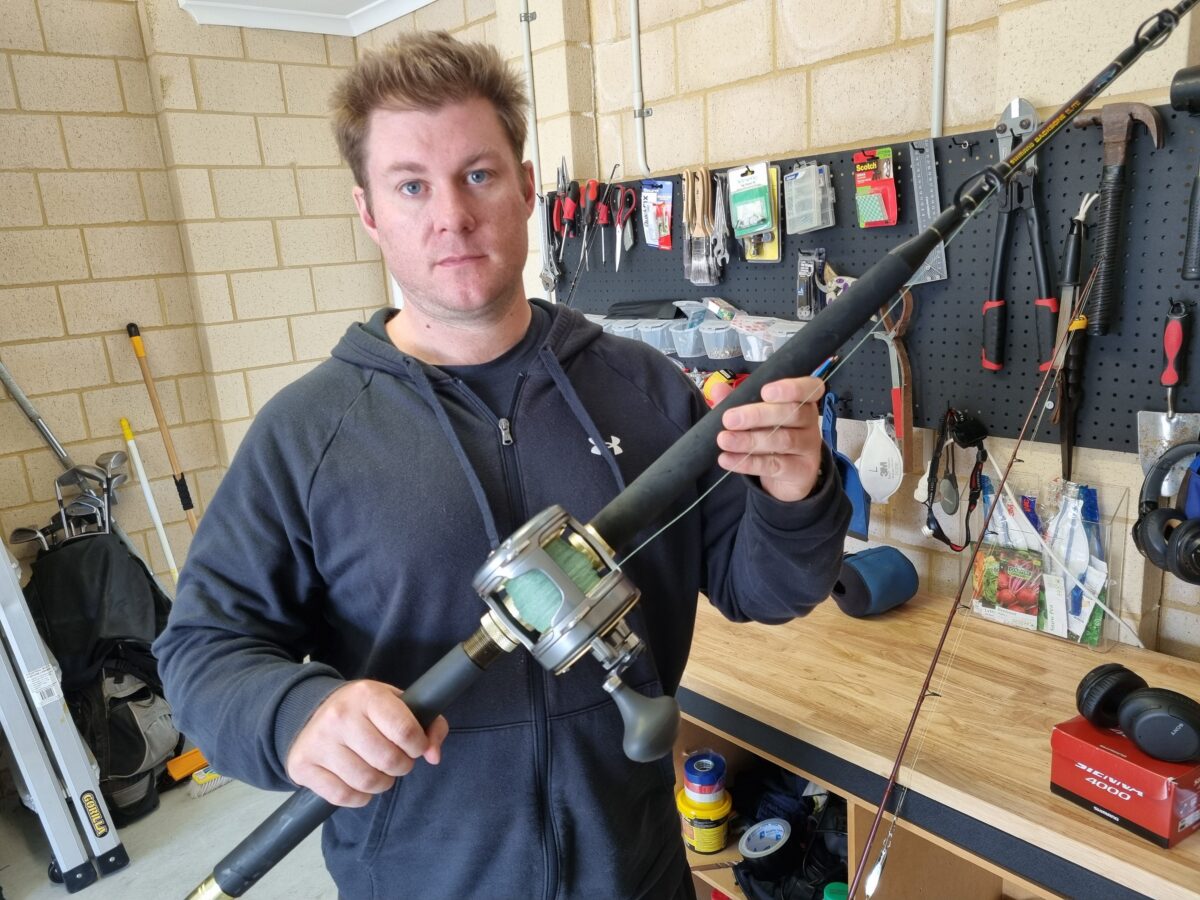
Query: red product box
column 1102, row 770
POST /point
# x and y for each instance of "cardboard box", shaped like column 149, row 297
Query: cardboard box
column 1101, row 770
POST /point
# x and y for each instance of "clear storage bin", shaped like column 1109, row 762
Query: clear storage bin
column 781, row 332
column 754, row 337
column 687, row 340
column 720, row 340
column 655, row 333
column 626, row 328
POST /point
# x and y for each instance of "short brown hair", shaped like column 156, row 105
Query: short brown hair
column 424, row 71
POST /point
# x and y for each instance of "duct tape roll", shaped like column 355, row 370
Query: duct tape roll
column 768, row 851
column 704, row 767
column 874, row 581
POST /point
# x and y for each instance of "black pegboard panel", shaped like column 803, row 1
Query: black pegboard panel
column 944, row 339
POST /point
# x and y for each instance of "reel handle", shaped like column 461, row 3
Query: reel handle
column 651, row 723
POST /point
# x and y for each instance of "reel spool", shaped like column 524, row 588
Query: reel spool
column 554, row 587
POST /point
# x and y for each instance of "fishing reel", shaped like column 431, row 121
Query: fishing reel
column 555, row 587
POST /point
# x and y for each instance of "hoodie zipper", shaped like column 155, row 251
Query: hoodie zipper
column 537, row 676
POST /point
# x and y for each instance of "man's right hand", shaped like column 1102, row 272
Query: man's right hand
column 359, row 741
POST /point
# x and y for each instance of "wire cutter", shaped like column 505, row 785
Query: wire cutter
column 892, row 334
column 627, row 201
column 1015, row 126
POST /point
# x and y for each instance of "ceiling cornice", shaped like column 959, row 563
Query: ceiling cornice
column 349, row 18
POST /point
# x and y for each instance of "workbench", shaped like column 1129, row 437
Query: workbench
column 829, row 696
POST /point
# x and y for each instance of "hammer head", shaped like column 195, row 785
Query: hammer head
column 1117, row 121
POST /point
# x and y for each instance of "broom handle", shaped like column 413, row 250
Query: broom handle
column 185, row 497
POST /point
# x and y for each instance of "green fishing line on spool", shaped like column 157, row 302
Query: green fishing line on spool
column 537, row 598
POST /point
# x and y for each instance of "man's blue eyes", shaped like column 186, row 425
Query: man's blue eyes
column 478, row 176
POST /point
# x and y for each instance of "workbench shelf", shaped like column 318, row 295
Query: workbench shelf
column 920, row 864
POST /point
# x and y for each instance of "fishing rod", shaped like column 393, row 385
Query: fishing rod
column 555, row 586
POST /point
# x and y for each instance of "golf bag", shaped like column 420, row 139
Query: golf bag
column 98, row 609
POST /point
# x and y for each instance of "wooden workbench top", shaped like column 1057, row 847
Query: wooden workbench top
column 848, row 686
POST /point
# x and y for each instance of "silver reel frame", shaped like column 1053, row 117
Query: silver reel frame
column 583, row 621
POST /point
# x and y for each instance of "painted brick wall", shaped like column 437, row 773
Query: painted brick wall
column 183, row 177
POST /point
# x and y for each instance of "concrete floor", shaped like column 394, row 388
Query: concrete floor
column 171, row 851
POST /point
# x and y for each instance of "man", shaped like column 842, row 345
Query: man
column 367, row 494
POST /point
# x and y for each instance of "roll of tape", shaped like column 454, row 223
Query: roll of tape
column 768, row 849
column 704, row 796
column 704, row 768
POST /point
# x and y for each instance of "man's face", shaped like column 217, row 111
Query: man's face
column 449, row 205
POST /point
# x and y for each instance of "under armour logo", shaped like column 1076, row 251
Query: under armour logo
column 614, row 445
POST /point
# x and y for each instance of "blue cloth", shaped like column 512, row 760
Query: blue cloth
column 860, row 517
column 1191, row 505
column 348, row 529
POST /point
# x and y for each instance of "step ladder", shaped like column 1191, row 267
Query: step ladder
column 52, row 761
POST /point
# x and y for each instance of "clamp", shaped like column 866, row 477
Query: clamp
column 1016, row 125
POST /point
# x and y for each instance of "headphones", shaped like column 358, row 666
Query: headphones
column 966, row 431
column 1161, row 723
column 1163, row 534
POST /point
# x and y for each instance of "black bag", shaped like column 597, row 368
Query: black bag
column 98, row 610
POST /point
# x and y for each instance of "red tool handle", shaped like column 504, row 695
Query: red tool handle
column 603, row 216
column 591, row 193
column 558, row 214
column 570, row 211
column 898, row 420
column 995, row 321
column 1046, row 322
column 1173, row 339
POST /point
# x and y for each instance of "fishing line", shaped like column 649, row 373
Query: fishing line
column 961, row 628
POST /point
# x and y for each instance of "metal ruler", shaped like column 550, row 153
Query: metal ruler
column 923, row 163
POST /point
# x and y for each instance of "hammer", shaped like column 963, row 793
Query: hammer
column 1117, row 121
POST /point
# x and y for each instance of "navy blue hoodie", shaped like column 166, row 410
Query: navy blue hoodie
column 347, row 530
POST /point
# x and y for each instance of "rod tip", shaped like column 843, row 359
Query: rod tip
column 132, row 329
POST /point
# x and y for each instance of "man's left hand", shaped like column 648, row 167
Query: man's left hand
column 787, row 461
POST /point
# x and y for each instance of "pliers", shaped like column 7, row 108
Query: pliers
column 892, row 334
column 1015, row 126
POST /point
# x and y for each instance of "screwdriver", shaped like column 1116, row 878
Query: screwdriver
column 604, row 217
column 558, row 223
column 1175, row 336
column 591, row 193
column 570, row 211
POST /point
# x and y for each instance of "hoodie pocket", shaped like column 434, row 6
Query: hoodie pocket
column 381, row 821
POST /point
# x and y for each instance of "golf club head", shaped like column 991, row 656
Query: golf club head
column 111, row 461
column 95, row 473
column 73, row 477
column 25, row 535
column 85, row 505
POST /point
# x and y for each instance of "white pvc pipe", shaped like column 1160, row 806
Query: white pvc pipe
column 139, row 469
column 534, row 150
column 938, row 104
column 639, row 103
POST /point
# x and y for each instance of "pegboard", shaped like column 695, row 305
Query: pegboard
column 945, row 334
